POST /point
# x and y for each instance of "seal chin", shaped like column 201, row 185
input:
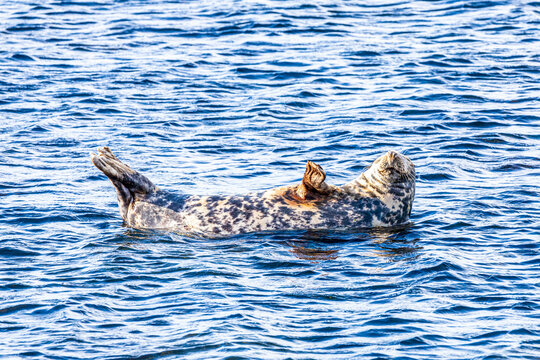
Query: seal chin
column 393, row 168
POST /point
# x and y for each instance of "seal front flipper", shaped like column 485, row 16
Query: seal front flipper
column 313, row 184
column 127, row 182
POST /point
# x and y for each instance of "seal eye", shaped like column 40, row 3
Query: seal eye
column 386, row 171
column 391, row 173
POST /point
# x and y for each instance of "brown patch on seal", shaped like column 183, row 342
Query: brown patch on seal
column 291, row 197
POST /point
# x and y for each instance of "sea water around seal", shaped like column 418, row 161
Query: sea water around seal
column 229, row 97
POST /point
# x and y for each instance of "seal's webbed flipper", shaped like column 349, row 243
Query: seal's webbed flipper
column 128, row 182
column 313, row 182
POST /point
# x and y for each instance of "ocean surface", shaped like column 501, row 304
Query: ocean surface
column 227, row 97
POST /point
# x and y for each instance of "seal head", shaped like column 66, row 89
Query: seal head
column 391, row 170
column 391, row 179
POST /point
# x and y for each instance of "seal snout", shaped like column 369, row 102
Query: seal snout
column 395, row 166
column 391, row 156
column 394, row 161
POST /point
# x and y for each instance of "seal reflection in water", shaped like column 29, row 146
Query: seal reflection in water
column 381, row 196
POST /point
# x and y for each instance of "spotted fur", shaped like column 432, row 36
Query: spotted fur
column 380, row 196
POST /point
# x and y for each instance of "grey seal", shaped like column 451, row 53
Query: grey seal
column 381, row 196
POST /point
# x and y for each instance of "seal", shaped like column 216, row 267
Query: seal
column 381, row 196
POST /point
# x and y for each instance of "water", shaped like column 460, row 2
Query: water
column 230, row 96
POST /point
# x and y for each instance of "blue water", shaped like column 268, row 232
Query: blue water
column 233, row 96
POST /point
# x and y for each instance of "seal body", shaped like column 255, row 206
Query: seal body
column 381, row 196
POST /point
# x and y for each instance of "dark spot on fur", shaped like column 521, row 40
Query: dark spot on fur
column 234, row 211
column 168, row 200
column 247, row 214
column 235, row 202
column 286, row 210
column 259, row 206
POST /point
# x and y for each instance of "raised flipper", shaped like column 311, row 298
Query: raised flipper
column 127, row 182
column 313, row 185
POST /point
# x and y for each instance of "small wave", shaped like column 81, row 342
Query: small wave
column 22, row 57
column 16, row 252
column 16, row 308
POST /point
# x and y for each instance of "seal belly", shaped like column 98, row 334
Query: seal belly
column 221, row 215
column 270, row 211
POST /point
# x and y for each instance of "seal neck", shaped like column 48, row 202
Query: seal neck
column 375, row 186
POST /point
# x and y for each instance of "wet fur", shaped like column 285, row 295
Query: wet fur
column 381, row 196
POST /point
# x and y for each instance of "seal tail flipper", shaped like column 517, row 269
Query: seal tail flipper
column 313, row 182
column 127, row 182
